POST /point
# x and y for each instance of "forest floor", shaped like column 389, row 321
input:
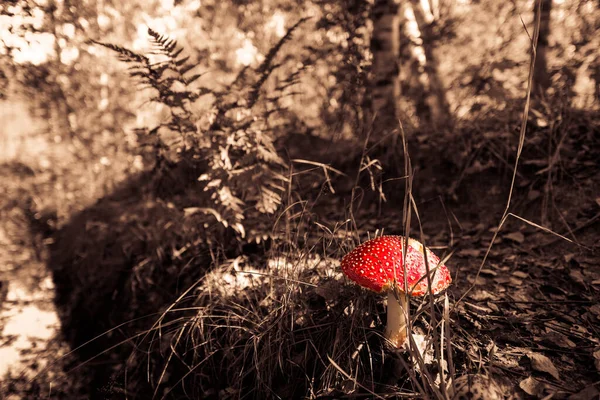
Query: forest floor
column 528, row 318
column 29, row 322
column 39, row 172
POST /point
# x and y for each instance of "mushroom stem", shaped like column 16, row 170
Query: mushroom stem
column 396, row 329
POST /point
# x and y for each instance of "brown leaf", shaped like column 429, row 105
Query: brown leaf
column 532, row 386
column 559, row 339
column 469, row 253
column 490, row 272
column 540, row 362
column 515, row 282
column 595, row 309
column 481, row 295
column 515, row 237
column 478, row 309
column 580, row 330
column 520, row 274
column 589, row 393
column 577, row 276
column 597, row 359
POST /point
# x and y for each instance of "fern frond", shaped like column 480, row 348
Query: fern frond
column 165, row 46
column 267, row 62
column 163, row 43
column 243, row 168
column 125, row 55
column 267, row 66
column 239, row 79
column 193, row 78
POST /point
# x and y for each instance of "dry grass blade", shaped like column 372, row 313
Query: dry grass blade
column 325, row 168
column 347, row 376
column 426, row 384
column 318, row 164
column 89, row 342
column 363, row 154
column 286, row 279
column 522, row 132
column 577, row 228
column 448, row 339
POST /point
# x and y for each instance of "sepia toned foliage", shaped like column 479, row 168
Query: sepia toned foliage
column 236, row 142
column 186, row 203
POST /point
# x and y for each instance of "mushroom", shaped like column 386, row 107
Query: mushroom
column 377, row 264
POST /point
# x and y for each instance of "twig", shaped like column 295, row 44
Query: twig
column 577, row 228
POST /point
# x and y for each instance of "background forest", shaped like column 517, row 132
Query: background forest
column 181, row 178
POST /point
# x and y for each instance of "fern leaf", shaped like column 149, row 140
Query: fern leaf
column 177, row 53
column 125, row 54
column 163, row 43
column 182, row 61
column 185, row 69
column 193, row 78
column 265, row 65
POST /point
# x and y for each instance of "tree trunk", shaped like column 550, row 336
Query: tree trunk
column 59, row 108
column 436, row 110
column 385, row 80
column 541, row 76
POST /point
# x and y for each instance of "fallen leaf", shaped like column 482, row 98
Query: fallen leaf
column 521, row 274
column 493, row 307
column 532, row 386
column 540, row 362
column 567, row 360
column 589, row 393
column 470, row 253
column 515, row 282
column 559, row 339
column 491, row 272
column 478, row 309
column 479, row 227
column 597, row 359
column 479, row 281
column 595, row 309
column 580, row 330
column 577, row 276
column 515, row 237
column 482, row 295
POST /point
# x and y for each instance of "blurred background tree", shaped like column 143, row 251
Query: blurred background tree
column 541, row 74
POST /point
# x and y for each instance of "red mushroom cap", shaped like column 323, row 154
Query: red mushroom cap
column 372, row 266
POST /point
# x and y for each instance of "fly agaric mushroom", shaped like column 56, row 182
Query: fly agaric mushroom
column 377, row 264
